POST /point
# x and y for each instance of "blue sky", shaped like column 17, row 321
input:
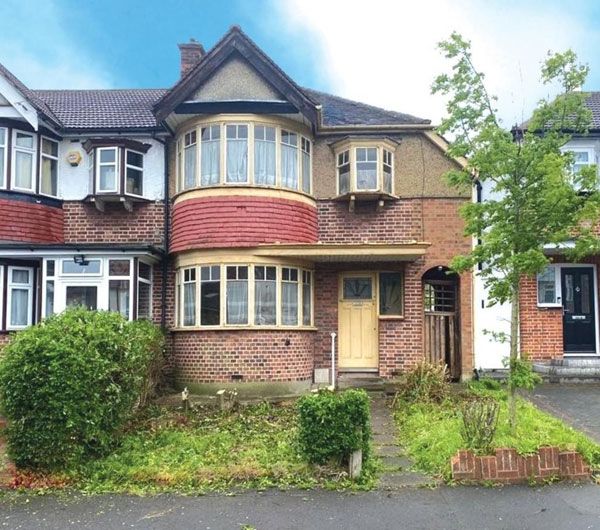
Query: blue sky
column 381, row 52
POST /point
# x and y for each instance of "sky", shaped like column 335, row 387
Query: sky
column 379, row 52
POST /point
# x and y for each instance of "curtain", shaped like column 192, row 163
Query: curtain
column 2, row 183
column 19, row 302
column 289, row 313
column 265, row 302
column 344, row 180
column 264, row 163
column 237, row 302
column 210, row 162
column 237, row 160
column 306, row 304
column 118, row 297
column 49, row 297
column 189, row 304
column 289, row 166
column 190, row 166
column 366, row 175
column 24, row 165
column 305, row 172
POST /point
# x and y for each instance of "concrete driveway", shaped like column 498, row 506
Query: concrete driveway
column 576, row 404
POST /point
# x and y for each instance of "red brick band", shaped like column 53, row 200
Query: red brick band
column 30, row 222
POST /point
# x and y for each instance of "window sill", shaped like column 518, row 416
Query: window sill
column 241, row 186
column 392, row 317
column 244, row 328
column 549, row 306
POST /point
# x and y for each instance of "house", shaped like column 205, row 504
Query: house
column 559, row 326
column 262, row 223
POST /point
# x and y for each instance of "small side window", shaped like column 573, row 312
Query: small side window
column 547, row 287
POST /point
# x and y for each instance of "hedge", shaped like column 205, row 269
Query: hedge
column 69, row 384
column 332, row 425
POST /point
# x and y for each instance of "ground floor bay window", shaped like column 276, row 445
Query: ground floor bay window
column 241, row 295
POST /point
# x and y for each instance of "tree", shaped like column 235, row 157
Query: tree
column 536, row 199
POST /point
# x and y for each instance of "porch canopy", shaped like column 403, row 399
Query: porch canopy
column 355, row 252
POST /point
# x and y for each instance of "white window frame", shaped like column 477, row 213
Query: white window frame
column 557, row 288
column 137, row 168
column 182, row 283
column 352, row 149
column 249, row 145
column 137, row 289
column 60, row 272
column 21, row 286
column 116, row 164
column 378, row 169
column 4, row 174
column 2, row 269
column 17, row 149
column 305, row 141
column 49, row 157
column 183, row 148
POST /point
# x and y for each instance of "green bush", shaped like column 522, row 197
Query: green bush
column 69, row 383
column 332, row 425
column 424, row 382
column 480, row 419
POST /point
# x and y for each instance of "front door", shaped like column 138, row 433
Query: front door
column 357, row 326
column 579, row 314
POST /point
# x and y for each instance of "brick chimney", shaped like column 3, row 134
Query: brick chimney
column 191, row 53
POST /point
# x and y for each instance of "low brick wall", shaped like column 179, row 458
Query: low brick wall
column 508, row 467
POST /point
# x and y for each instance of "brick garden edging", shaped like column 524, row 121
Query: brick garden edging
column 508, row 467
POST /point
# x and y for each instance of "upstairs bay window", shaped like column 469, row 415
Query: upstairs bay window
column 366, row 169
column 253, row 154
column 24, row 148
column 107, row 170
column 244, row 296
column 134, row 172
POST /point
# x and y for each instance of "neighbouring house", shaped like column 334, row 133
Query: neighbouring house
column 559, row 326
column 252, row 217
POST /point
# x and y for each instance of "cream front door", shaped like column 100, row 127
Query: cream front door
column 357, row 323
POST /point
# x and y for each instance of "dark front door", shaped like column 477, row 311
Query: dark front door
column 579, row 317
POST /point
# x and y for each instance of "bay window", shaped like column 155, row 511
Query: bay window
column 24, row 147
column 244, row 153
column 258, row 295
column 144, row 291
column 107, row 170
column 264, row 155
column 119, row 286
column 289, row 296
column 85, row 296
column 3, row 155
column 210, row 295
column 237, row 294
column 49, row 167
column 366, row 169
column 20, row 297
column 211, row 155
column 134, row 172
column 289, row 159
column 49, row 291
column 265, row 295
column 237, row 154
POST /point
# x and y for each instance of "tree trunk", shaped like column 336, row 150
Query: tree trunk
column 514, row 354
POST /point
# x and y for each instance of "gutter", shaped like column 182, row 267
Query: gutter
column 167, row 237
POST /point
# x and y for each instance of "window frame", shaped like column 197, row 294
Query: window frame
column 33, row 152
column 29, row 287
column 224, row 146
column 136, row 168
column 99, row 164
column 557, row 288
column 4, row 173
column 148, row 281
column 394, row 316
column 49, row 157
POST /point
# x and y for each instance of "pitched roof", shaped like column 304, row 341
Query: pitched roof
column 103, row 109
column 339, row 111
column 39, row 104
column 593, row 103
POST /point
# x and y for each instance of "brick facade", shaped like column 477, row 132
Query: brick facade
column 84, row 223
column 257, row 356
column 30, row 222
column 241, row 221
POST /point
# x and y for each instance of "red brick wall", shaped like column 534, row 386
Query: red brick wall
column 541, row 327
column 241, row 221
column 84, row 223
column 399, row 221
column 29, row 222
column 436, row 221
column 258, row 355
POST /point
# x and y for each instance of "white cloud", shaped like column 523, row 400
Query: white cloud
column 384, row 52
column 36, row 46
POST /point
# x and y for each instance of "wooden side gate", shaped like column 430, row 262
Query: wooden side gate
column 441, row 325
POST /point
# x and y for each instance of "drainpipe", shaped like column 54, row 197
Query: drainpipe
column 167, row 226
column 333, row 335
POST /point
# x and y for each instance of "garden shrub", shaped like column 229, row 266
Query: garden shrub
column 480, row 419
column 69, row 383
column 332, row 425
column 424, row 382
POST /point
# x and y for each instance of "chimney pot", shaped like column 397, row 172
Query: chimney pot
column 190, row 55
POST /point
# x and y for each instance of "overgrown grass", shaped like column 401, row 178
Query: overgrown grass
column 200, row 451
column 431, row 432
